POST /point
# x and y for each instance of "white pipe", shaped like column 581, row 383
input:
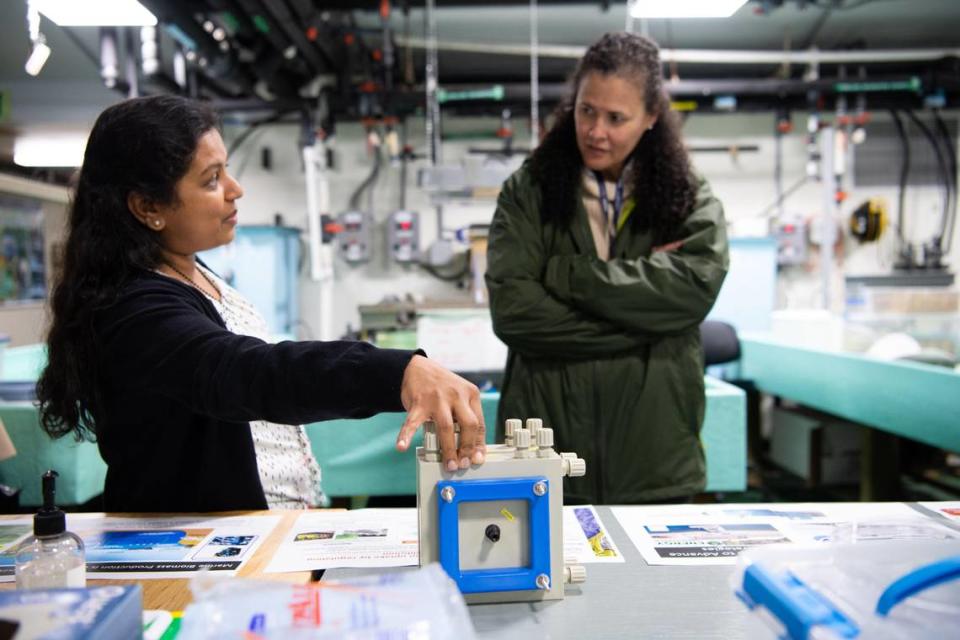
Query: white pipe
column 313, row 210
column 702, row 56
column 828, row 225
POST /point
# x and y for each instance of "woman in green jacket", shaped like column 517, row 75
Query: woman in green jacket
column 606, row 253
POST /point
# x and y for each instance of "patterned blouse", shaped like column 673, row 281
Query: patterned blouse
column 289, row 473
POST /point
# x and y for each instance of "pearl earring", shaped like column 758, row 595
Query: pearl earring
column 156, row 223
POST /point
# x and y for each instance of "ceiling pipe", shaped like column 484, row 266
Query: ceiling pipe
column 281, row 14
column 701, row 56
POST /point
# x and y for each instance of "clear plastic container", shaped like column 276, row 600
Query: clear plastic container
column 423, row 603
column 888, row 589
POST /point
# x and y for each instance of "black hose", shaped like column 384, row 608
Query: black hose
column 450, row 277
column 948, row 142
column 370, row 179
column 253, row 127
column 904, row 173
column 942, row 170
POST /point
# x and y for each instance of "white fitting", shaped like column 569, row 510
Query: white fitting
column 574, row 574
column 574, row 467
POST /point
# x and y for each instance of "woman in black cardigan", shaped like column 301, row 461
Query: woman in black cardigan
column 140, row 359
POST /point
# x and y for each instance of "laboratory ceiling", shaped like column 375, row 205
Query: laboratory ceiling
column 279, row 54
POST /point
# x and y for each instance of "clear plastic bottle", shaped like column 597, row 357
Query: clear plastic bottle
column 52, row 557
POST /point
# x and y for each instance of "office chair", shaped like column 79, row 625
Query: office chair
column 720, row 342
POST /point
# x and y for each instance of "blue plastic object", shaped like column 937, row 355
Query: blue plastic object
column 795, row 604
column 924, row 577
column 499, row 579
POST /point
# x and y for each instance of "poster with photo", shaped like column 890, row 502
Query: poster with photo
column 145, row 548
column 586, row 539
column 717, row 533
column 359, row 538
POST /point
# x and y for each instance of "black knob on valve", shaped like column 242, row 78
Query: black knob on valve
column 492, row 532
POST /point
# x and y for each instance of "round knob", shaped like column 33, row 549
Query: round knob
column 492, row 532
column 575, row 467
column 430, row 442
column 511, row 426
column 575, row 574
column 534, row 425
column 545, row 438
column 521, row 439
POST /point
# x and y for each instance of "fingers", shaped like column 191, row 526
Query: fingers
column 430, row 392
column 448, row 446
column 481, row 436
column 472, row 430
column 414, row 419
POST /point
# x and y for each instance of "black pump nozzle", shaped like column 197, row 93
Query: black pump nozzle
column 49, row 489
column 49, row 521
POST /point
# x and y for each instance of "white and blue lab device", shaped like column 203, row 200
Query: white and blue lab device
column 497, row 528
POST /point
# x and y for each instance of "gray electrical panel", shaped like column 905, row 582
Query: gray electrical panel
column 792, row 243
column 355, row 239
column 403, row 236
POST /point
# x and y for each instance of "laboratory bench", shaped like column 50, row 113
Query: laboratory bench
column 891, row 398
column 624, row 600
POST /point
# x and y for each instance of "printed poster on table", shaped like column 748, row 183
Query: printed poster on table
column 358, row 538
column 716, row 534
column 145, row 548
column 585, row 538
column 389, row 538
column 947, row 509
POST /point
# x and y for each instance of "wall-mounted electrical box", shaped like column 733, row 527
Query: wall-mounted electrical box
column 792, row 242
column 355, row 239
column 403, row 235
column 497, row 528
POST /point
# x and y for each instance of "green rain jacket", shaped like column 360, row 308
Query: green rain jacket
column 608, row 354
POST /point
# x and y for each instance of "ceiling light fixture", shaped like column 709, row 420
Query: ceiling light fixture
column 39, row 51
column 38, row 57
column 102, row 13
column 684, row 8
column 49, row 150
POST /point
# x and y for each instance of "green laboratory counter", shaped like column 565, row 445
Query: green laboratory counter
column 913, row 400
column 357, row 457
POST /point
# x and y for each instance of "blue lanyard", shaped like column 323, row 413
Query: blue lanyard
column 617, row 206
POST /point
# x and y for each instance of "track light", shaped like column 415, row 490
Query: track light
column 38, row 57
column 39, row 51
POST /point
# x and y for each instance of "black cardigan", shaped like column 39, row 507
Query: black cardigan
column 179, row 390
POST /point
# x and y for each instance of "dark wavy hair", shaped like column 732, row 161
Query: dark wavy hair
column 143, row 146
column 662, row 176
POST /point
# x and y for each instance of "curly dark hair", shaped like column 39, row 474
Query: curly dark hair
column 661, row 166
column 143, row 146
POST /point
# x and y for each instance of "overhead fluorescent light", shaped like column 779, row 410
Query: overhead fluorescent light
column 102, row 13
column 684, row 8
column 49, row 150
column 38, row 57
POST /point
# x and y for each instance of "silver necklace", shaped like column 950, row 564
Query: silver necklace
column 194, row 284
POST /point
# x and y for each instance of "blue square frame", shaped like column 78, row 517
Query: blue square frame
column 485, row 490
